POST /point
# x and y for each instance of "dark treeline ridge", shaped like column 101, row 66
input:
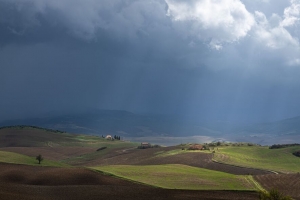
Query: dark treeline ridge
column 279, row 146
column 35, row 127
column 297, row 153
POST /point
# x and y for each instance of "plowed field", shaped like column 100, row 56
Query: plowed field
column 289, row 184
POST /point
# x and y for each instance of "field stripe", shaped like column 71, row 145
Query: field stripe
column 274, row 172
column 174, row 176
column 257, row 185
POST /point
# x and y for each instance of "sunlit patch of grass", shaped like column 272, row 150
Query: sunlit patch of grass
column 10, row 157
column 176, row 176
column 178, row 151
column 281, row 160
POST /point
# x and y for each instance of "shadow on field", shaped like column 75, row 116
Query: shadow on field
column 32, row 182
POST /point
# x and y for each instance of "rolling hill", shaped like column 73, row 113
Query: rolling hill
column 118, row 122
column 175, row 167
column 166, row 130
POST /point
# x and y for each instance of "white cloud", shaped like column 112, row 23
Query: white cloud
column 291, row 14
column 273, row 37
column 277, row 34
column 218, row 21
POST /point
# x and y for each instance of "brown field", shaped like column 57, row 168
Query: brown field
column 130, row 157
column 32, row 182
column 30, row 137
column 289, row 184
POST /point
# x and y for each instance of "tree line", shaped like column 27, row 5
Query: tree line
column 279, row 146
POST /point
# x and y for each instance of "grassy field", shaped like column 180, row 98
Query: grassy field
column 10, row 157
column 95, row 141
column 281, row 160
column 180, row 177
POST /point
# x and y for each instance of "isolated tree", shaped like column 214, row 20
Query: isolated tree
column 39, row 158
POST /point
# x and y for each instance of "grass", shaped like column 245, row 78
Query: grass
column 176, row 176
column 281, row 160
column 95, row 141
column 10, row 157
column 178, row 151
column 169, row 153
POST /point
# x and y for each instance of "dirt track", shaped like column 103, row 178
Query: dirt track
column 31, row 182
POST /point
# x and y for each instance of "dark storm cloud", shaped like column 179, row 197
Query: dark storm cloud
column 149, row 56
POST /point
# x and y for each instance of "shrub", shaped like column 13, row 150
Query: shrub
column 297, row 153
column 273, row 194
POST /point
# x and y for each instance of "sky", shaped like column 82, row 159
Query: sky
column 231, row 60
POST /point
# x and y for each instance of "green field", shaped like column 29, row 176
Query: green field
column 280, row 160
column 95, row 141
column 180, row 177
column 10, row 157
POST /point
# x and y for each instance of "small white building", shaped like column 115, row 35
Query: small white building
column 108, row 137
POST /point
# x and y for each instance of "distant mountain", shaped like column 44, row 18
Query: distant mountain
column 118, row 122
column 289, row 126
column 130, row 125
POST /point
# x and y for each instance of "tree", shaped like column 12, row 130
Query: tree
column 39, row 158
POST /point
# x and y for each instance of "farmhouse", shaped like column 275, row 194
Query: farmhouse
column 196, row 147
column 145, row 145
column 108, row 137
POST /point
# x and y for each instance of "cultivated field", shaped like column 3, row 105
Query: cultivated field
column 180, row 177
column 289, row 184
column 32, row 182
column 159, row 156
column 71, row 160
column 280, row 160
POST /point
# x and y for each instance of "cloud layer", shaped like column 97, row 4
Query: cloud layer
column 224, row 59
